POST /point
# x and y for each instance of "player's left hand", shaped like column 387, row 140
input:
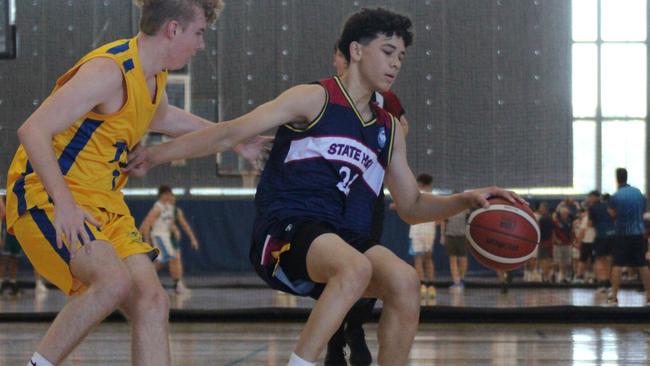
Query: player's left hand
column 478, row 198
column 255, row 151
column 195, row 244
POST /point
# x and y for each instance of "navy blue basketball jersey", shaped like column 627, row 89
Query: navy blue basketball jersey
column 354, row 218
column 313, row 171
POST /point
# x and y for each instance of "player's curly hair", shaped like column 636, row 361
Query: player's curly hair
column 156, row 12
column 365, row 25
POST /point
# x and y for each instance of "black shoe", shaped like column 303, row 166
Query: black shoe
column 4, row 286
column 359, row 352
column 335, row 355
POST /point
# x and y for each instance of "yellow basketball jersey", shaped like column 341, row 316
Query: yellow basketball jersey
column 93, row 150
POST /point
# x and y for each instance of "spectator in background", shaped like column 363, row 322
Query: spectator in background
column 571, row 204
column 626, row 207
column 9, row 257
column 532, row 268
column 603, row 224
column 646, row 222
column 422, row 237
column 505, row 278
column 453, row 239
column 545, row 248
column 585, row 237
column 159, row 228
column 562, row 239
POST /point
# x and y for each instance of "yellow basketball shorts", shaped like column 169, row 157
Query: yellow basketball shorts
column 36, row 234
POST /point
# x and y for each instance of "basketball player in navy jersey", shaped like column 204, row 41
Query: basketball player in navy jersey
column 351, row 330
column 338, row 144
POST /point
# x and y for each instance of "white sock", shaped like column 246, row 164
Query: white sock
column 295, row 360
column 38, row 360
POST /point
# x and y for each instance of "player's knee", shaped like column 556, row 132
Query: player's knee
column 154, row 302
column 404, row 283
column 115, row 291
column 161, row 304
column 405, row 293
column 361, row 270
column 122, row 290
column 355, row 275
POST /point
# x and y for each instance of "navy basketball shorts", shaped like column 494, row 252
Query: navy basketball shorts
column 279, row 251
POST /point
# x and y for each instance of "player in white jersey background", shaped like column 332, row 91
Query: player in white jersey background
column 159, row 228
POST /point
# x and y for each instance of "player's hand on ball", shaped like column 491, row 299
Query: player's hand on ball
column 479, row 197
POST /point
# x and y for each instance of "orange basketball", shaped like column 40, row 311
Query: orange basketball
column 503, row 236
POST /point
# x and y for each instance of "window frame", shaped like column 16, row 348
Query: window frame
column 9, row 32
column 598, row 117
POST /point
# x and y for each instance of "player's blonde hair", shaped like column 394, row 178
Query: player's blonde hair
column 156, row 12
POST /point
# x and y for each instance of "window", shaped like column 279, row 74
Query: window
column 584, row 155
column 624, row 146
column 7, row 29
column 609, row 85
column 623, row 20
column 179, row 95
column 179, row 92
column 585, row 80
column 623, row 80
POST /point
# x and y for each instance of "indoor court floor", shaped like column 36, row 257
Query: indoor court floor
column 270, row 344
column 252, row 296
column 211, row 336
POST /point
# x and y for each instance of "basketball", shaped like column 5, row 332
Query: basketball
column 503, row 236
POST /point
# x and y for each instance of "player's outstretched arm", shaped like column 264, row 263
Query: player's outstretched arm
column 172, row 121
column 416, row 207
column 300, row 103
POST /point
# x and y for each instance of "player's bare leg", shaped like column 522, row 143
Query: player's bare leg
column 108, row 281
column 347, row 272
column 147, row 308
column 396, row 284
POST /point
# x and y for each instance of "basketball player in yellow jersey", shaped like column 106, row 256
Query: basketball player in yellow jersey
column 65, row 204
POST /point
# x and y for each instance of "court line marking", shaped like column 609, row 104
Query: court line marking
column 252, row 354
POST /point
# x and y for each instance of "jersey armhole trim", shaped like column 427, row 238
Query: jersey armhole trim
column 392, row 138
column 315, row 120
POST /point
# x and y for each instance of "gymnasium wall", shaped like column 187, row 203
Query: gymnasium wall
column 486, row 85
column 223, row 228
